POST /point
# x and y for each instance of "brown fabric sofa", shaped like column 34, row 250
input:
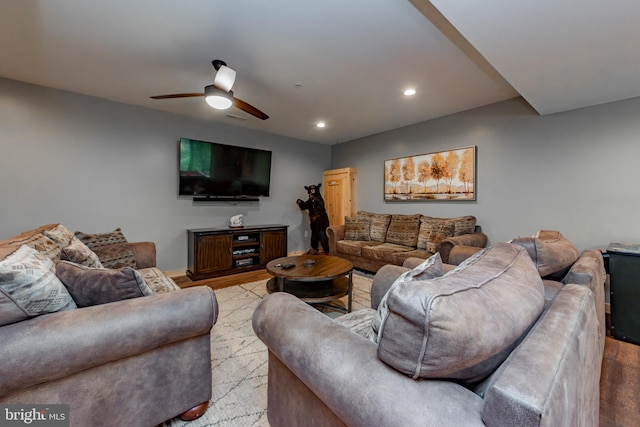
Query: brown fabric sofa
column 320, row 369
column 371, row 240
column 137, row 361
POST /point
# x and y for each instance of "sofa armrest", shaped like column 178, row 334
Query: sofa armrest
column 343, row 370
column 334, row 233
column 56, row 345
column 589, row 271
column 144, row 253
column 478, row 240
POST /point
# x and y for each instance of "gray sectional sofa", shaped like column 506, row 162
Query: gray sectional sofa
column 372, row 240
column 120, row 346
column 489, row 342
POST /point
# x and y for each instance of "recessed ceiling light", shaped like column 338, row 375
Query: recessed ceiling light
column 321, row 124
column 410, row 92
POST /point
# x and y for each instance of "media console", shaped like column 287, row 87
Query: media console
column 217, row 252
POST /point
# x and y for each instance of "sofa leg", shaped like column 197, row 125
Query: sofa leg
column 195, row 412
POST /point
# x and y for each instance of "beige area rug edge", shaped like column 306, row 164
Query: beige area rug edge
column 239, row 358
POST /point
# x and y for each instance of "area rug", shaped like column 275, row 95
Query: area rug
column 239, row 358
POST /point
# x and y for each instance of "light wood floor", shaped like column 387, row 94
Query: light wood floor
column 619, row 380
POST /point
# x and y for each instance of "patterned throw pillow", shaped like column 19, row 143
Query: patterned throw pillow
column 43, row 245
column 463, row 224
column 79, row 253
column 379, row 223
column 59, row 234
column 112, row 248
column 433, row 231
column 158, row 281
column 431, row 268
column 29, row 287
column 94, row 286
column 356, row 229
column 403, row 230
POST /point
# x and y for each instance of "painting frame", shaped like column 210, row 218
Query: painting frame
column 448, row 175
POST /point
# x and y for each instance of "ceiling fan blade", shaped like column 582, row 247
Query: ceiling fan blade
column 248, row 108
column 177, row 95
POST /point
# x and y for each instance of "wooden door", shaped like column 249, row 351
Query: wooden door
column 339, row 193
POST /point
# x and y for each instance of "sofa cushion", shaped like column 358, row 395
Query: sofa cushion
column 112, row 248
column 464, row 324
column 379, row 224
column 403, row 230
column 400, row 257
column 433, row 231
column 158, row 281
column 29, row 287
column 79, row 253
column 551, row 252
column 60, row 234
column 356, row 228
column 94, row 286
column 383, row 252
column 431, row 268
column 353, row 247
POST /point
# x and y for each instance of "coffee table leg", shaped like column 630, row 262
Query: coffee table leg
column 280, row 281
column 350, row 292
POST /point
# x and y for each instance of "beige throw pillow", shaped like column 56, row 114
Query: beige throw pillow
column 29, row 287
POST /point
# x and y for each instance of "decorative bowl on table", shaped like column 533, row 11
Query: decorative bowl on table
column 308, row 262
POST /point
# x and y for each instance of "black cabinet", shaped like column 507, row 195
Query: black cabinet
column 220, row 251
column 624, row 281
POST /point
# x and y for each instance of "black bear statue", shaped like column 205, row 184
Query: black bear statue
column 318, row 218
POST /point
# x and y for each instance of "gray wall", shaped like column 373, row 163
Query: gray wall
column 94, row 165
column 576, row 171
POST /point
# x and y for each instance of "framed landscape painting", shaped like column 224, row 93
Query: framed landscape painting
column 443, row 175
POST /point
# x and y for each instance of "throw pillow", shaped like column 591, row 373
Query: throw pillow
column 93, row 286
column 379, row 223
column 551, row 252
column 79, row 253
column 403, row 230
column 464, row 324
column 29, row 287
column 431, row 268
column 112, row 248
column 59, row 234
column 356, row 229
column 433, row 231
column 43, row 245
column 463, row 225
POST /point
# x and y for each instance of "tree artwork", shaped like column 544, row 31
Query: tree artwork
column 444, row 175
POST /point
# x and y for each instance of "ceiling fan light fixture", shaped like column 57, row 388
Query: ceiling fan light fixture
column 217, row 98
column 224, row 79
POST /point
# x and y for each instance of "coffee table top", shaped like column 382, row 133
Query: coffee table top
column 323, row 268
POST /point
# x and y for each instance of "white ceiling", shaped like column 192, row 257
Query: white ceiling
column 352, row 59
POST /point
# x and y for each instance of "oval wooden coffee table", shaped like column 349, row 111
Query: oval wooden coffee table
column 315, row 279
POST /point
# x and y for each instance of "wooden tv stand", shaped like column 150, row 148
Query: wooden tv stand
column 217, row 252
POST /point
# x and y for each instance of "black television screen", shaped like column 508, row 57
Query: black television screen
column 210, row 169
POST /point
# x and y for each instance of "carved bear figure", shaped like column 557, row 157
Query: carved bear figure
column 318, row 218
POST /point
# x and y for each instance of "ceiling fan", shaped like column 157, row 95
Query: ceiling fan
column 219, row 94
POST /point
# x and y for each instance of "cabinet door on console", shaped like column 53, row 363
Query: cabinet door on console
column 273, row 244
column 213, row 253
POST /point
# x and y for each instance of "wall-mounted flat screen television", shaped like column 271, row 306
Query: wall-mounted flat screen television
column 210, row 170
